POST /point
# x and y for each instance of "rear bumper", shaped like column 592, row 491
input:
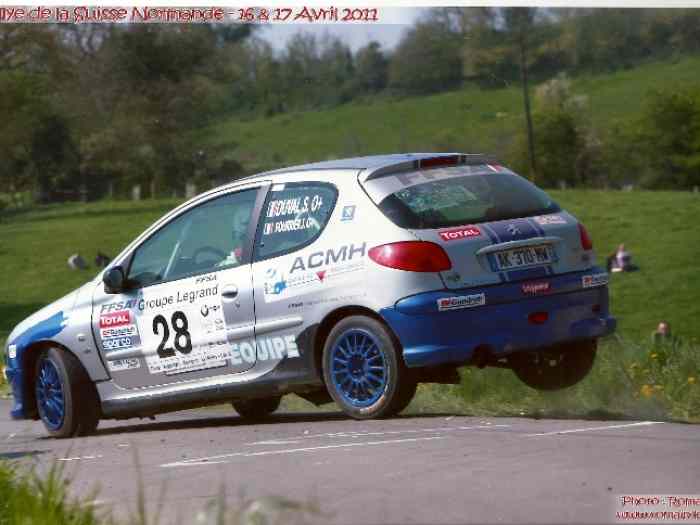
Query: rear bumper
column 500, row 319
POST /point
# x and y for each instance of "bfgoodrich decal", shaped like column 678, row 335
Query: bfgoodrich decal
column 461, row 301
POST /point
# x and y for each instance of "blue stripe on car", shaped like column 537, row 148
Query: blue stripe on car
column 522, row 229
column 491, row 257
column 540, row 231
column 40, row 331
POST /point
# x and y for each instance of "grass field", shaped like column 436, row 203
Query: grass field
column 659, row 229
column 469, row 119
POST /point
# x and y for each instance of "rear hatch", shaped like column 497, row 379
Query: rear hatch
column 494, row 225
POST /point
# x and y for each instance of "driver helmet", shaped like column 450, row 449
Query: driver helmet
column 241, row 220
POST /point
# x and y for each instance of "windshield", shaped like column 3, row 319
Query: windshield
column 468, row 199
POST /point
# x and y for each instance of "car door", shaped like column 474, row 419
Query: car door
column 292, row 219
column 189, row 296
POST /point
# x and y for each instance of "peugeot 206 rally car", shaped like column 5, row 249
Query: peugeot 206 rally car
column 349, row 280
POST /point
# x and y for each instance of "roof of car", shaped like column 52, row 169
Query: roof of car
column 371, row 165
column 370, row 162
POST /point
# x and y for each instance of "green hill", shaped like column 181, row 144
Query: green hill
column 470, row 120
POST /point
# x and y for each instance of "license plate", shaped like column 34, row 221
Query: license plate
column 528, row 256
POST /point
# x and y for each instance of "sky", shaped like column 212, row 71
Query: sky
column 355, row 35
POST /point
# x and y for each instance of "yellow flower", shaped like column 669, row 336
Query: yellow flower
column 658, row 387
column 654, row 355
column 647, row 391
column 691, row 380
column 634, row 365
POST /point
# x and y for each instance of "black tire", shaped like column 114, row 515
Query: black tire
column 406, row 396
column 555, row 368
column 81, row 406
column 257, row 408
column 398, row 386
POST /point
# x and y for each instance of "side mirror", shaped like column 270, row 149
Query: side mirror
column 114, row 280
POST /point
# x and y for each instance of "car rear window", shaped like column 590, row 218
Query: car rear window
column 468, row 199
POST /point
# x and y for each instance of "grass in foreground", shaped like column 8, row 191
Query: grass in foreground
column 27, row 498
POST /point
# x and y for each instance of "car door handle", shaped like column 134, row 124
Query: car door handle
column 230, row 291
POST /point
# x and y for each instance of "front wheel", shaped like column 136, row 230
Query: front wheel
column 363, row 369
column 257, row 408
column 66, row 399
column 555, row 368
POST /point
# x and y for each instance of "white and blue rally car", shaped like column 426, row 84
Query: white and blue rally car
column 350, row 280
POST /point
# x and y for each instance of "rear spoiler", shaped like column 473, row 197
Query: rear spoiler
column 431, row 162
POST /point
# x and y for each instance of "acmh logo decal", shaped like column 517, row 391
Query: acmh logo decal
column 330, row 256
column 459, row 233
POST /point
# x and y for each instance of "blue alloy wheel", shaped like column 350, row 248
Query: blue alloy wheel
column 49, row 395
column 359, row 368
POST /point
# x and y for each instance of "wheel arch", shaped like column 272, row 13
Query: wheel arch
column 333, row 318
column 30, row 355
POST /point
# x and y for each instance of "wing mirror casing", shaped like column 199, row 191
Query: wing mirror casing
column 114, row 280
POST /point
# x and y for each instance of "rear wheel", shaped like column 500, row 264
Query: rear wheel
column 363, row 369
column 555, row 368
column 257, row 408
column 66, row 399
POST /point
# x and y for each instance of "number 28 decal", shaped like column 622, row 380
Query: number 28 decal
column 182, row 342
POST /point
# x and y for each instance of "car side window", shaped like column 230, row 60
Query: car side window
column 293, row 216
column 212, row 236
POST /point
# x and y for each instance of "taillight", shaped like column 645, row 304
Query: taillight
column 412, row 256
column 586, row 242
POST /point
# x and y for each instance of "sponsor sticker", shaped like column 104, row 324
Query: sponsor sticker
column 348, row 213
column 461, row 301
column 114, row 319
column 266, row 349
column 597, row 279
column 123, row 364
column 115, row 343
column 289, row 225
column 544, row 220
column 464, row 232
column 536, row 288
column 12, row 351
column 118, row 331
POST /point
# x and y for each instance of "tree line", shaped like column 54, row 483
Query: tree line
column 90, row 110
